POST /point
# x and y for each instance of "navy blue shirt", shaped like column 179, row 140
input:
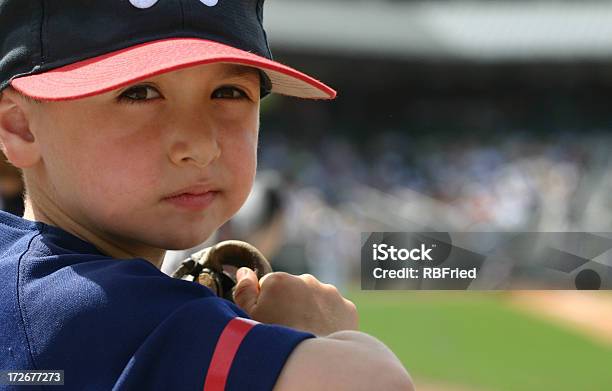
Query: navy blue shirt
column 118, row 324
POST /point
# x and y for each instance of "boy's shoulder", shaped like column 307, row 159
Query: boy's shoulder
column 118, row 323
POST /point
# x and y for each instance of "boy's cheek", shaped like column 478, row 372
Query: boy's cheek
column 243, row 169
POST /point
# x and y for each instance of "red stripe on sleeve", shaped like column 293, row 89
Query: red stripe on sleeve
column 225, row 351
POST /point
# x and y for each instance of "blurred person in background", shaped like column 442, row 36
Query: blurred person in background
column 11, row 188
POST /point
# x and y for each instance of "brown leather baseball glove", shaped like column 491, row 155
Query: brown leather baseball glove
column 215, row 267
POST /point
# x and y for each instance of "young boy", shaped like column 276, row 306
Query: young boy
column 135, row 123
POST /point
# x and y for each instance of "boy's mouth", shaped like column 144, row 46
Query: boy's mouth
column 195, row 198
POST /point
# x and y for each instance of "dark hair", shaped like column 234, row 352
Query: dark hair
column 265, row 83
column 28, row 98
column 25, row 97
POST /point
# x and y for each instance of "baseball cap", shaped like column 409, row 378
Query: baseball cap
column 69, row 49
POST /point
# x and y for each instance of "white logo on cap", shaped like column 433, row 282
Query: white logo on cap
column 143, row 3
column 150, row 3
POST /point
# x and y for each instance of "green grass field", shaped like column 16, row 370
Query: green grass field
column 475, row 339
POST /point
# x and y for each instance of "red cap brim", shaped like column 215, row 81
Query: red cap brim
column 123, row 67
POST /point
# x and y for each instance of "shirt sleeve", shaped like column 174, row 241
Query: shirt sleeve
column 179, row 352
column 260, row 359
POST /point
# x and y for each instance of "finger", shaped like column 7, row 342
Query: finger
column 262, row 279
column 246, row 290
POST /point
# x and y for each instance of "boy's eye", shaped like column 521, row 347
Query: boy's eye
column 140, row 93
column 229, row 93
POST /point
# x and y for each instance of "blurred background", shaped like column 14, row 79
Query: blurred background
column 453, row 116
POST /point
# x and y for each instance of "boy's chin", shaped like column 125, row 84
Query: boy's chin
column 183, row 243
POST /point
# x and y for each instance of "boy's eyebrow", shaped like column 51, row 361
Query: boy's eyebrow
column 235, row 70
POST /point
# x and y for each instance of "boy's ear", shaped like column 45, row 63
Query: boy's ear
column 16, row 139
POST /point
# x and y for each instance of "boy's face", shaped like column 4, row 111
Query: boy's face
column 108, row 162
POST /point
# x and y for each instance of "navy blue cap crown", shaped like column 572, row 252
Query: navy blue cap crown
column 40, row 35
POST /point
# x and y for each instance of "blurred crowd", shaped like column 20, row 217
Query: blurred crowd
column 337, row 188
column 520, row 181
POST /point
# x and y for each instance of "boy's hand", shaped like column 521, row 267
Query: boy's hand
column 301, row 302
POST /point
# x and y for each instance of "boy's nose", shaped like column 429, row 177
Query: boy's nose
column 195, row 142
